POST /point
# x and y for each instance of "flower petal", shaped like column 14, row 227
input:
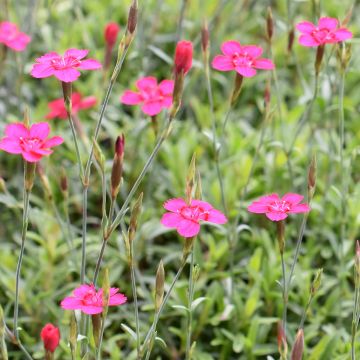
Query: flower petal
column 30, row 156
column 223, row 63
column 83, row 290
column 117, row 299
column 87, row 102
column 10, row 145
column 268, row 199
column 76, row 53
column 146, row 82
column 89, row 64
column 91, row 310
column 276, row 216
column 46, row 58
column 231, row 47
column 265, row 64
column 216, row 217
column 308, row 40
column 305, row 27
column 188, row 228
column 252, row 50
column 67, row 75
column 40, row 130
column 205, row 205
column 152, row 108
column 16, row 130
column 245, row 71
column 300, row 208
column 171, row 220
column 40, row 71
column 131, row 98
column 328, row 23
column 54, row 141
column 167, row 87
column 258, row 208
column 343, row 34
column 292, row 198
column 71, row 303
column 174, row 204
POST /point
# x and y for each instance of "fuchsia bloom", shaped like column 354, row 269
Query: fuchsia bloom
column 277, row 209
column 110, row 33
column 243, row 59
column 57, row 107
column 65, row 68
column 326, row 32
column 183, row 57
column 31, row 143
column 90, row 301
column 50, row 336
column 153, row 96
column 185, row 218
column 12, row 37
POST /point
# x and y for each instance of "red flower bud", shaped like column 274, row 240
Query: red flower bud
column 50, row 336
column 183, row 57
column 120, row 145
column 110, row 34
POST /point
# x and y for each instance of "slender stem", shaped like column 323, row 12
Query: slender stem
column 284, row 292
column 181, row 20
column 355, row 317
column 162, row 306
column 190, row 300
column 133, row 286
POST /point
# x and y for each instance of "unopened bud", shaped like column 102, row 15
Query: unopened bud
column 298, row 348
column 183, row 57
column 198, row 189
column 29, row 175
column 267, row 94
column 291, row 38
column 316, row 282
column 67, row 93
column 188, row 245
column 63, row 182
column 3, row 349
column 343, row 56
column 319, row 56
column 196, row 273
column 190, row 179
column 117, row 168
column 312, row 177
column 96, row 327
column 111, row 33
column 205, row 37
column 132, row 17
column 281, row 339
column 2, row 185
column 159, row 286
column 280, row 226
column 237, row 88
column 135, row 213
column 44, row 180
column 269, row 24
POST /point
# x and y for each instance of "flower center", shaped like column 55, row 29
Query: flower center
column 280, row 206
column 91, row 298
column 65, row 63
column 322, row 34
column 29, row 143
column 194, row 213
column 242, row 60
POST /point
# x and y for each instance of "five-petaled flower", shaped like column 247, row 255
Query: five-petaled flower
column 65, row 68
column 50, row 336
column 58, row 110
column 326, row 32
column 31, row 143
column 276, row 208
column 153, row 96
column 90, row 301
column 244, row 59
column 12, row 37
column 185, row 218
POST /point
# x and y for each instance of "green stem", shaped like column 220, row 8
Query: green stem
column 133, row 286
column 190, row 300
column 284, row 292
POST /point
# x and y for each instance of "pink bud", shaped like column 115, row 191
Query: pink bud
column 183, row 57
column 110, row 34
column 50, row 336
column 120, row 145
column 298, row 349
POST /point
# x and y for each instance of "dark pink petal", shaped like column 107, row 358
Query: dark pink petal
column 175, row 204
column 205, row 205
column 11, row 146
column 131, row 98
column 117, row 299
column 89, row 64
column 31, row 156
column 76, row 53
column 300, row 208
column 20, row 42
column 83, row 290
column 252, row 50
column 152, row 108
column 46, row 59
column 292, row 198
column 88, row 102
column 75, row 98
column 223, row 63
column 328, row 23
column 91, row 310
column 231, row 47
column 216, row 217
column 258, row 208
column 308, row 40
column 167, row 87
column 171, row 220
column 245, row 71
column 40, row 130
column 67, row 75
column 146, row 82
column 16, row 130
column 343, row 34
column 40, row 71
column 265, row 64
column 268, row 199
column 54, row 141
column 276, row 216
column 71, row 303
column 41, row 151
column 188, row 228
column 305, row 27
column 167, row 101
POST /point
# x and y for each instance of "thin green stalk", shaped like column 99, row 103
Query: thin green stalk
column 181, row 20
column 284, row 293
column 162, row 306
column 355, row 320
column 190, row 300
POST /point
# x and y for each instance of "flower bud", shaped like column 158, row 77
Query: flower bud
column 44, row 180
column 3, row 349
column 132, row 17
column 135, row 213
column 117, row 168
column 29, row 175
column 269, row 24
column 183, row 57
column 159, row 286
column 267, row 94
column 50, row 336
column 312, row 177
column 2, row 185
column 190, row 179
column 205, row 37
column 291, row 38
column 237, row 88
column 281, row 339
column 343, row 55
column 316, row 282
column 298, row 348
column 111, row 33
column 67, row 93
column 63, row 182
column 188, row 245
column 96, row 328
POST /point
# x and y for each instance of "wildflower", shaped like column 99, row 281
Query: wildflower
column 277, row 209
column 31, row 143
column 58, row 110
column 185, row 217
column 153, row 96
column 50, row 336
column 65, row 68
column 243, row 59
column 326, row 32
column 111, row 33
column 183, row 57
column 12, row 37
column 90, row 301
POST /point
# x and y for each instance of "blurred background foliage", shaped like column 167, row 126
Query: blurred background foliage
column 240, row 328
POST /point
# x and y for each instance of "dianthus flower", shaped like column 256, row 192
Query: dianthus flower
column 12, row 37
column 50, row 336
column 186, row 218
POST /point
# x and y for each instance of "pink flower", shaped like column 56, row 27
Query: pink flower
column 12, row 37
column 185, row 218
column 50, row 336
column 90, row 301
column 183, row 57
column 153, row 96
column 57, row 107
column 277, row 209
column 65, row 68
column 326, row 32
column 110, row 33
column 31, row 143
column 243, row 59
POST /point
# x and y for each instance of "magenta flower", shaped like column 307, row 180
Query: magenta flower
column 65, row 68
column 277, row 209
column 31, row 143
column 243, row 59
column 90, row 301
column 185, row 218
column 12, row 37
column 153, row 96
column 57, row 107
column 326, row 32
